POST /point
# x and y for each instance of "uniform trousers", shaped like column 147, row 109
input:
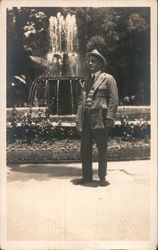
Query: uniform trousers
column 100, row 137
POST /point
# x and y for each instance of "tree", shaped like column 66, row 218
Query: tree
column 122, row 35
column 126, row 35
column 27, row 33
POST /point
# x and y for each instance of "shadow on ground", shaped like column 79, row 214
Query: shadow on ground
column 93, row 183
column 42, row 172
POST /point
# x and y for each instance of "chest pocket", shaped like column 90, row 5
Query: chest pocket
column 102, row 91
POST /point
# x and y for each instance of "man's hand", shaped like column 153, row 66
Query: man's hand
column 82, row 84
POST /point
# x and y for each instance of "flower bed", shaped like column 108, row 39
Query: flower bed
column 69, row 150
column 42, row 126
column 36, row 137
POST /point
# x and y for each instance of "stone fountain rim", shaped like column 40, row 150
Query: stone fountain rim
column 60, row 78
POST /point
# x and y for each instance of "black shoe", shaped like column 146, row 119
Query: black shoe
column 83, row 181
column 103, row 183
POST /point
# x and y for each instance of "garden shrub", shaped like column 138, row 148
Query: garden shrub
column 41, row 128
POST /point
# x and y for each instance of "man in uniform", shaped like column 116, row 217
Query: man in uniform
column 95, row 116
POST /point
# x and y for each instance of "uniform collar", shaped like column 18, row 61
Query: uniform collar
column 96, row 74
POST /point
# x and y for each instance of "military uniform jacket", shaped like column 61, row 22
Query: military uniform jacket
column 102, row 102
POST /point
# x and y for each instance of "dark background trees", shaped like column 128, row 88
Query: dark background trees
column 122, row 35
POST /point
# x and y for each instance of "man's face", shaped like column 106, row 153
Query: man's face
column 94, row 64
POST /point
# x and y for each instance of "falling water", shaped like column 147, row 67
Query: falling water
column 63, row 63
column 63, row 57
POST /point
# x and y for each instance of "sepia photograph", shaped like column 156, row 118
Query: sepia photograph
column 78, row 125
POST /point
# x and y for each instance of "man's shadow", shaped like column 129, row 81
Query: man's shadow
column 93, row 183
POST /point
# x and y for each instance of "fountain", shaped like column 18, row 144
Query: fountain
column 59, row 88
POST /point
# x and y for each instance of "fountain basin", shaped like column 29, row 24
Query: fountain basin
column 59, row 94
